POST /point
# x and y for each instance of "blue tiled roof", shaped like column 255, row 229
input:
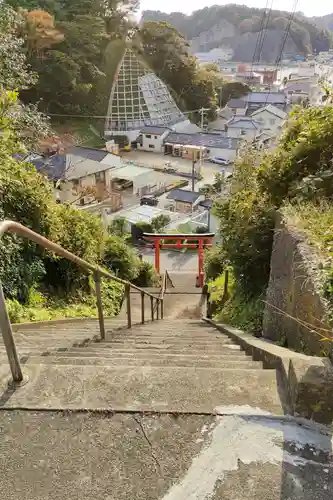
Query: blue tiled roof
column 53, row 167
column 88, row 153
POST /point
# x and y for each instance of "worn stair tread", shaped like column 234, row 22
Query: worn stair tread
column 144, row 388
column 146, row 354
column 132, row 361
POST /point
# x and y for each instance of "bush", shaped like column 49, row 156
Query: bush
column 215, row 261
column 120, row 258
column 147, row 275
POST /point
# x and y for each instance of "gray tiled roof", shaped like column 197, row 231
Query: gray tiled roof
column 88, row 153
column 156, row 130
column 266, row 98
column 237, row 103
column 206, row 140
column 183, row 195
column 245, row 122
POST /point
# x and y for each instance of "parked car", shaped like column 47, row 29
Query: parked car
column 219, row 160
column 149, row 199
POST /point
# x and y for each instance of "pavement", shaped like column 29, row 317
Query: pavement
column 243, row 455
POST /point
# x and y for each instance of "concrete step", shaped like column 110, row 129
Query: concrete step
column 162, row 349
column 91, row 456
column 157, row 340
column 145, row 388
column 149, row 354
column 180, row 361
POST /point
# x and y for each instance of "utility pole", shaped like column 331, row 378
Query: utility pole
column 202, row 112
column 194, row 161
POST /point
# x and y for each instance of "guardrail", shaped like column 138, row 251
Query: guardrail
column 98, row 272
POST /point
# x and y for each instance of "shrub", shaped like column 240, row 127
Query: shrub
column 147, row 275
column 120, row 258
column 215, row 261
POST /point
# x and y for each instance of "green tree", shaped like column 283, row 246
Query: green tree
column 167, row 52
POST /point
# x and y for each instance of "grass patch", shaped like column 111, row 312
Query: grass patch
column 239, row 310
column 43, row 308
column 85, row 132
column 315, row 221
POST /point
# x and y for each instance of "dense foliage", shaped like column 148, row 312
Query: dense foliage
column 298, row 171
column 65, row 44
column 241, row 19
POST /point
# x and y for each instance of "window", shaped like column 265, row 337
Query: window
column 148, row 136
column 152, row 146
column 100, row 176
column 272, row 121
column 155, row 136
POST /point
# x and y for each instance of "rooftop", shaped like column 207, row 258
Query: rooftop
column 202, row 139
column 150, row 129
column 237, row 103
column 271, row 109
column 129, row 172
column 89, row 153
column 245, row 122
column 183, row 195
column 54, row 167
column 266, row 97
column 143, row 213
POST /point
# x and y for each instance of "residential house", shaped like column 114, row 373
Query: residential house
column 256, row 100
column 151, row 138
column 243, row 127
column 207, row 144
column 270, row 118
column 265, row 140
column 237, row 106
column 184, row 201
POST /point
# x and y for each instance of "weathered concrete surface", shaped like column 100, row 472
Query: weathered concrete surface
column 294, row 288
column 311, row 388
column 142, row 388
column 66, row 456
column 307, row 381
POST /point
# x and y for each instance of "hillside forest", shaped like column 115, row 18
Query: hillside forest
column 237, row 27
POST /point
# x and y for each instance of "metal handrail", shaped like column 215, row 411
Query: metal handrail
column 5, row 325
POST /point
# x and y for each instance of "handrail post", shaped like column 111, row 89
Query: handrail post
column 128, row 303
column 142, row 307
column 162, row 308
column 97, row 278
column 8, row 339
column 158, row 309
column 152, row 307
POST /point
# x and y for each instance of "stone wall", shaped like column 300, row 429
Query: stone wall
column 294, row 288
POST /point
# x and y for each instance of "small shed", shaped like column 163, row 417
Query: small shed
column 185, row 201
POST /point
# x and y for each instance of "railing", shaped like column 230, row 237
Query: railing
column 5, row 325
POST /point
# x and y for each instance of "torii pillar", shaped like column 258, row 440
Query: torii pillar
column 199, row 241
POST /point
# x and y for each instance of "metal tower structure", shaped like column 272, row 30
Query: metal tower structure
column 138, row 98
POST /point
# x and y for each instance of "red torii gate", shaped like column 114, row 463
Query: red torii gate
column 200, row 241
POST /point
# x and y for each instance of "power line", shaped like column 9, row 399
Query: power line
column 283, row 43
column 258, row 41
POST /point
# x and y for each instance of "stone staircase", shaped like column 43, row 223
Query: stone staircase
column 130, row 416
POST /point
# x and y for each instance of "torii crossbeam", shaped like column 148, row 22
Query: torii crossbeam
column 192, row 240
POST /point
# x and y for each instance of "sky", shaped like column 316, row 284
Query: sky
column 308, row 7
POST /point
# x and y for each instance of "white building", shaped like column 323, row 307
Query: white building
column 152, row 138
column 270, row 118
column 212, row 144
column 243, row 127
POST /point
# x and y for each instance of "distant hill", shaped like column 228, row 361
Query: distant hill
column 324, row 22
column 237, row 27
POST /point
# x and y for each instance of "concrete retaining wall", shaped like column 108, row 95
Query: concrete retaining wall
column 294, row 288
